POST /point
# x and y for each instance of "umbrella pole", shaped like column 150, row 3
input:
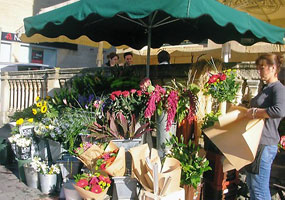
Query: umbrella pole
column 148, row 53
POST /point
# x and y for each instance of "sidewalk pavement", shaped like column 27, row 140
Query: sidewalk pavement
column 12, row 188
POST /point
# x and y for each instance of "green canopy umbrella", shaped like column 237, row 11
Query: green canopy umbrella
column 137, row 23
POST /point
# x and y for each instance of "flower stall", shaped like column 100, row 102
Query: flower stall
column 96, row 140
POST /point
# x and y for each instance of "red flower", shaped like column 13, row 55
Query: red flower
column 126, row 93
column 117, row 93
column 144, row 84
column 103, row 166
column 213, row 78
column 96, row 189
column 82, row 183
column 139, row 92
column 223, row 76
column 113, row 97
column 133, row 91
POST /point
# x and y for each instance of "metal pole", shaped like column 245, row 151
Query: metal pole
column 148, row 51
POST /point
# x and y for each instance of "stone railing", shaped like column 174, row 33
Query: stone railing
column 19, row 89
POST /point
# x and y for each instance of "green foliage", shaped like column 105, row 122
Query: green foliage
column 193, row 166
column 25, row 114
column 210, row 119
column 222, row 86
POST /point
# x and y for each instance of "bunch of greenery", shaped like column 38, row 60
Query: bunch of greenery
column 210, row 119
column 193, row 166
column 222, row 86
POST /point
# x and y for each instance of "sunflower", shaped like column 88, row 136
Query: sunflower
column 34, row 111
column 31, row 120
column 43, row 109
column 37, row 98
column 39, row 104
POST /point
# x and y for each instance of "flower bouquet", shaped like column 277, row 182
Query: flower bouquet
column 222, row 86
column 111, row 160
column 92, row 185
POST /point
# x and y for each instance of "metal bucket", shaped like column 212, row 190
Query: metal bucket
column 32, row 177
column 70, row 192
column 69, row 166
column 48, row 183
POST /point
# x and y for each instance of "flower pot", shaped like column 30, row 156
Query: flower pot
column 3, row 151
column 70, row 192
column 125, row 187
column 127, row 144
column 48, row 183
column 69, row 166
column 20, row 164
column 32, row 177
column 162, row 135
column 27, row 131
column 191, row 193
column 23, row 153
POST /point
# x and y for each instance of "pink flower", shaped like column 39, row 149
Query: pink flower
column 82, row 183
column 172, row 102
column 139, row 92
column 96, row 189
column 94, row 180
column 113, row 97
column 106, row 156
column 133, row 91
column 144, row 84
column 101, row 178
column 126, row 93
column 117, row 93
column 97, row 104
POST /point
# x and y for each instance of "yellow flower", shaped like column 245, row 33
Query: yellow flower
column 43, row 109
column 34, row 111
column 31, row 120
column 39, row 104
column 37, row 98
column 47, row 127
column 45, row 103
column 20, row 121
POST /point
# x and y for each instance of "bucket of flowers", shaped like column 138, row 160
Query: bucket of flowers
column 92, row 185
column 48, row 176
column 21, row 146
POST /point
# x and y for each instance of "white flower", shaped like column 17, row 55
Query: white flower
column 23, row 142
column 14, row 138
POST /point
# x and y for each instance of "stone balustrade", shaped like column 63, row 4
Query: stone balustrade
column 19, row 89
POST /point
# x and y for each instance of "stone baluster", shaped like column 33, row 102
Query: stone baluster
column 35, row 89
column 239, row 94
column 39, row 90
column 5, row 94
column 26, row 94
column 15, row 95
column 253, row 86
column 11, row 99
column 18, row 95
column 23, row 94
column 31, row 89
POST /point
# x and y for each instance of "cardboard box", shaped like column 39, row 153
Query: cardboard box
column 179, row 195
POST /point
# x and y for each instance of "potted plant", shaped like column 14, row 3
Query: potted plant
column 193, row 165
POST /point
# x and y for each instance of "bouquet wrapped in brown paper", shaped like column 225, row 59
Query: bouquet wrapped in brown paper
column 161, row 180
column 92, row 186
column 111, row 160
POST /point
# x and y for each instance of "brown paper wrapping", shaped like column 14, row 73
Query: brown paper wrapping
column 237, row 137
column 144, row 173
column 88, row 157
column 90, row 195
column 117, row 168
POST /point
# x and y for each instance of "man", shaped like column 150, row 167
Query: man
column 163, row 58
column 128, row 57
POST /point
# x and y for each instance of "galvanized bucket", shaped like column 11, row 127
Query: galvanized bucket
column 32, row 177
column 48, row 183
